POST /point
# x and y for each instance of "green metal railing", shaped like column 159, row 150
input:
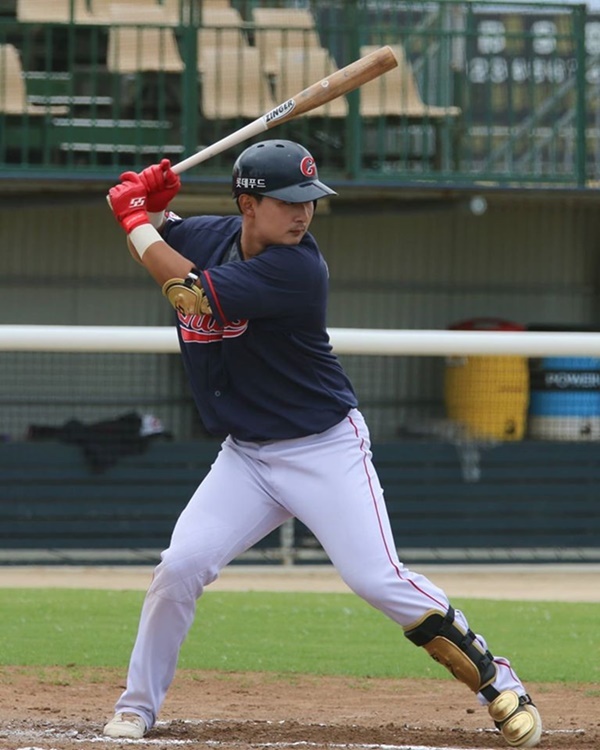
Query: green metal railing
column 504, row 94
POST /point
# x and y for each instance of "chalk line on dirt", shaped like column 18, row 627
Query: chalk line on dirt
column 80, row 737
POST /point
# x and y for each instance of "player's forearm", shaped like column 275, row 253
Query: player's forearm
column 174, row 274
column 139, row 203
column 163, row 262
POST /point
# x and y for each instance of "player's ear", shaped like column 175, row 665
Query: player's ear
column 246, row 204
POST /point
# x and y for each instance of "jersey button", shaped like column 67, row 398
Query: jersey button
column 217, row 393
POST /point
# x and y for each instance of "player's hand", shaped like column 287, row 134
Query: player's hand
column 162, row 185
column 128, row 201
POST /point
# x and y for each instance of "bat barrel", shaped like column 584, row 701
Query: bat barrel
column 340, row 82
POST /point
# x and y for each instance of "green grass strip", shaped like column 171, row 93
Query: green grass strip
column 323, row 634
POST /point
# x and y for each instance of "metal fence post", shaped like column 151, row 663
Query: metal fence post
column 286, row 540
column 580, row 17
column 189, row 113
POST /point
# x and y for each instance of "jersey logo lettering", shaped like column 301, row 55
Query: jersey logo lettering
column 204, row 329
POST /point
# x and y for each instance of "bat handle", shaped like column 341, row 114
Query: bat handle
column 233, row 139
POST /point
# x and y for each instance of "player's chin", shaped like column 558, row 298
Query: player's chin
column 294, row 237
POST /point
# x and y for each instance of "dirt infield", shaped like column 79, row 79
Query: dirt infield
column 65, row 708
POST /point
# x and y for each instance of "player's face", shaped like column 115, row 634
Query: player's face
column 281, row 223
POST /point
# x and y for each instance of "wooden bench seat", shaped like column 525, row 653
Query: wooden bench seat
column 50, row 497
column 526, row 494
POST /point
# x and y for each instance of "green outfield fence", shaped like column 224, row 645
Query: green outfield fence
column 486, row 92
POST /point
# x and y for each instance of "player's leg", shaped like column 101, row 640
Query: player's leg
column 328, row 482
column 341, row 501
column 449, row 640
column 229, row 512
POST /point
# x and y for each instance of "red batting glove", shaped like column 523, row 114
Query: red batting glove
column 162, row 185
column 128, row 201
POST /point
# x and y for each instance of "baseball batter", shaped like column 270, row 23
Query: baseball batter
column 250, row 296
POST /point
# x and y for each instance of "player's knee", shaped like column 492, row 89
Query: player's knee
column 456, row 648
column 181, row 577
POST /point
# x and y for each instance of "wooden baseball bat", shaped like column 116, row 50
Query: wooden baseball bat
column 341, row 82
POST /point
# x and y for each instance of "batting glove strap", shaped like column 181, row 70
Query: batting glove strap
column 132, row 221
column 127, row 201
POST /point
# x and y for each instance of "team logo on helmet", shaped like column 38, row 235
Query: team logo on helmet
column 308, row 166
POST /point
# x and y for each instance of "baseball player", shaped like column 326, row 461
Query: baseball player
column 250, row 295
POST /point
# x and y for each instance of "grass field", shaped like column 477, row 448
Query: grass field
column 325, row 634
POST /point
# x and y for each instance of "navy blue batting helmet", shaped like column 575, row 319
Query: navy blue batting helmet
column 278, row 169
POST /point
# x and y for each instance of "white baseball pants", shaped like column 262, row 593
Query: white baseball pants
column 329, row 483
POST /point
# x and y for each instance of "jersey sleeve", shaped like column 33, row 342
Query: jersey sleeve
column 197, row 237
column 282, row 280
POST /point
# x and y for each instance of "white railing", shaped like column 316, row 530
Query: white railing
column 163, row 340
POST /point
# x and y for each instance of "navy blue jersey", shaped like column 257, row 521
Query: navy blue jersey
column 261, row 367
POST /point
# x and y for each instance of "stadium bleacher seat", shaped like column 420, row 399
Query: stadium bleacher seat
column 107, row 12
column 397, row 93
column 396, row 98
column 13, row 90
column 278, row 28
column 53, row 11
column 221, row 27
column 134, row 48
column 298, row 68
column 233, row 84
